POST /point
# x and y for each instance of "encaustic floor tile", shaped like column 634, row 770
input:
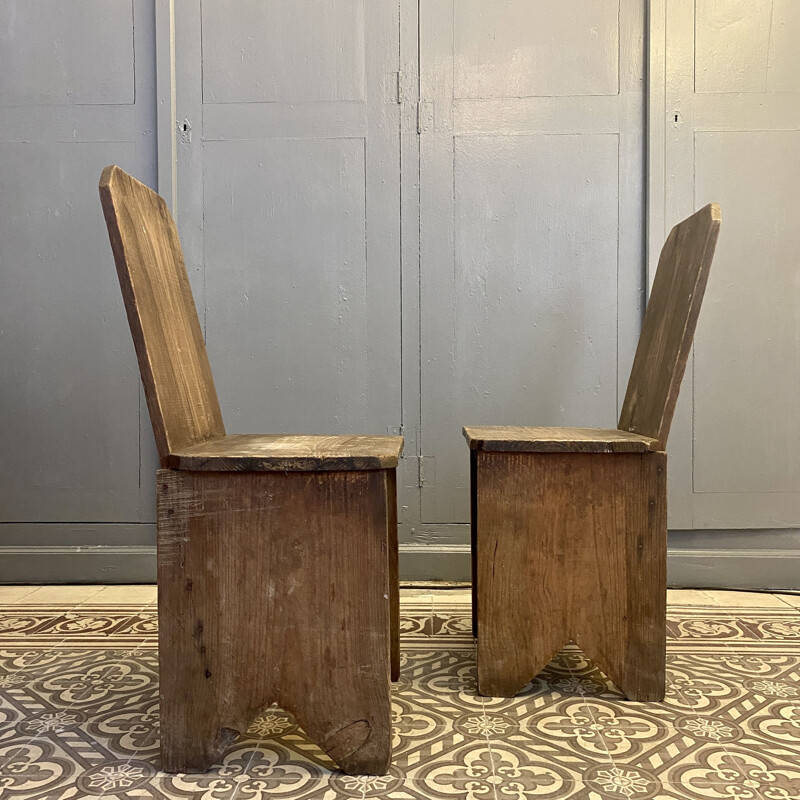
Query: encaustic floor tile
column 79, row 715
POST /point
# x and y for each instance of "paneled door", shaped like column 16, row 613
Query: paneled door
column 531, row 124
column 288, row 206
column 77, row 92
column 725, row 127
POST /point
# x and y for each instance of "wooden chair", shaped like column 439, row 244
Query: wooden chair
column 277, row 555
column 569, row 525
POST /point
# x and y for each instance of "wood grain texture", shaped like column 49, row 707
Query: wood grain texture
column 274, row 587
column 180, row 391
column 669, row 325
column 258, row 453
column 511, row 438
column 571, row 547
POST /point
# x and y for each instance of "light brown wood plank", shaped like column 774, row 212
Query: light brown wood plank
column 265, row 452
column 669, row 325
column 571, row 546
column 180, row 391
column 274, row 587
column 511, row 439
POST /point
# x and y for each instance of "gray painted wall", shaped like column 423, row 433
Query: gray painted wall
column 724, row 124
column 532, row 212
column 77, row 92
column 401, row 222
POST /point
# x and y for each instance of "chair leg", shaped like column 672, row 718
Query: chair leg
column 394, row 573
column 273, row 587
column 571, row 546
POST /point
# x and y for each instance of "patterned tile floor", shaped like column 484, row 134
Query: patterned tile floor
column 79, row 711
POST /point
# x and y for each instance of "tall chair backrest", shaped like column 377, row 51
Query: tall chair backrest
column 669, row 325
column 173, row 362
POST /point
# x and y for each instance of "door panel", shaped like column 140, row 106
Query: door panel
column 268, row 53
column 725, row 127
column 43, row 53
column 746, row 46
column 535, row 49
column 747, row 334
column 286, row 267
column 77, row 93
column 288, row 204
column 531, row 223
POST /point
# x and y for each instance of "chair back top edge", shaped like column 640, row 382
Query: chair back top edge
column 181, row 397
column 669, row 325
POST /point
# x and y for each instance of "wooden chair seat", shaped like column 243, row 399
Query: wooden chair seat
column 252, row 452
column 517, row 439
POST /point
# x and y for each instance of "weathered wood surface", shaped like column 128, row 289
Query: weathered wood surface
column 257, row 453
column 274, row 587
column 669, row 325
column 511, row 438
column 571, row 547
column 180, row 391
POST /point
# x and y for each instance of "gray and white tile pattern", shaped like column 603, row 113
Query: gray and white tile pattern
column 79, row 713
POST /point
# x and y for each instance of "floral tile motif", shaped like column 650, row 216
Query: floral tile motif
column 741, row 629
column 89, row 625
column 79, row 717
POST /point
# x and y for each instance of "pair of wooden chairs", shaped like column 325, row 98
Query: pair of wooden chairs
column 277, row 555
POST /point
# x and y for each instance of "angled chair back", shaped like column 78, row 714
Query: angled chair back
column 669, row 325
column 181, row 397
